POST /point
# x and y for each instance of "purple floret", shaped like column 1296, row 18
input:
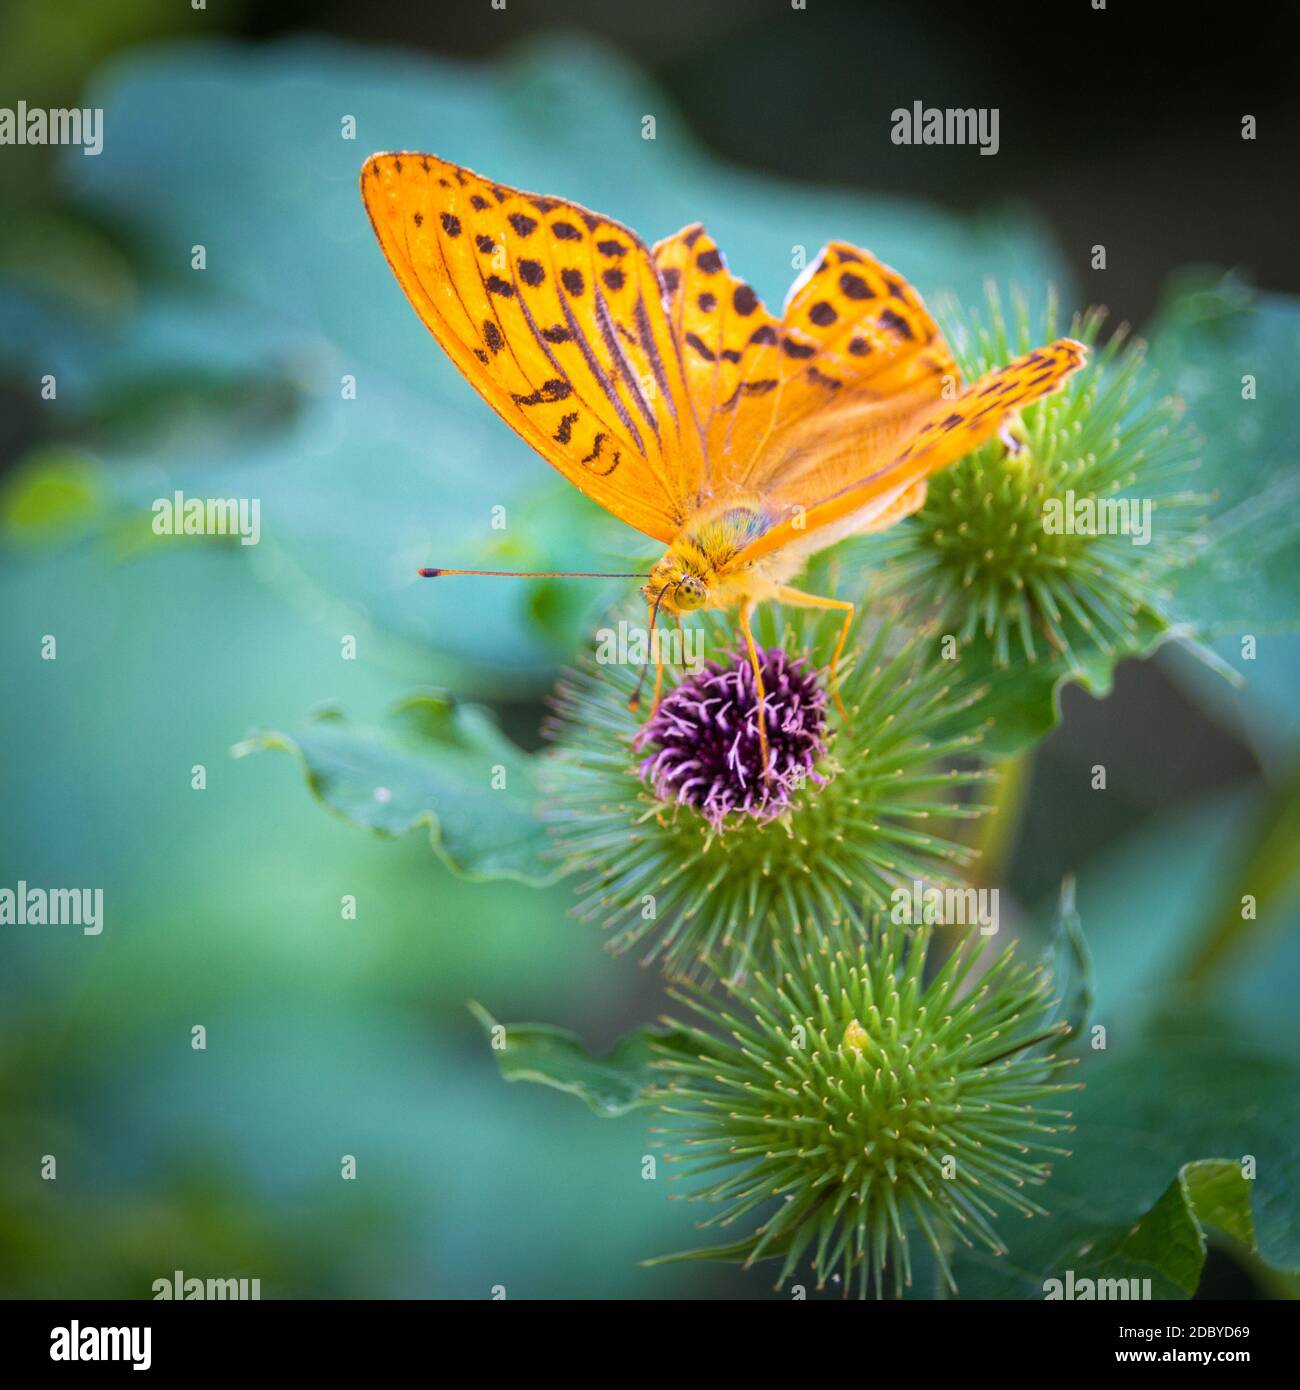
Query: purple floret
column 703, row 738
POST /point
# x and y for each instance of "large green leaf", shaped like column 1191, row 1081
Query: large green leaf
column 1167, row 1244
column 432, row 763
column 1125, row 1203
column 551, row 1056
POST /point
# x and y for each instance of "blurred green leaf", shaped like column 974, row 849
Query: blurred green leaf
column 1209, row 338
column 432, row 763
column 1266, row 875
column 550, row 1056
column 53, row 492
column 1167, row 944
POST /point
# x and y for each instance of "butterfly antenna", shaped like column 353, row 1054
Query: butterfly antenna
column 635, row 701
column 430, row 572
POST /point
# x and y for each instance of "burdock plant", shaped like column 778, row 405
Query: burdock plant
column 844, row 1104
column 683, row 845
column 1059, row 537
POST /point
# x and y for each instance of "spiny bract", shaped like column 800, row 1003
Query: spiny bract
column 859, row 826
column 1001, row 543
column 848, row 1102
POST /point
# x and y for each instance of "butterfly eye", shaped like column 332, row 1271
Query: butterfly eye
column 691, row 592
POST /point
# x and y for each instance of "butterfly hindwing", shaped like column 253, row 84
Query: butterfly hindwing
column 852, row 330
column 881, row 485
column 872, row 331
column 556, row 316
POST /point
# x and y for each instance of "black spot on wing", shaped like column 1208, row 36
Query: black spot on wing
column 597, row 445
column 744, row 301
column 556, row 389
column 897, row 325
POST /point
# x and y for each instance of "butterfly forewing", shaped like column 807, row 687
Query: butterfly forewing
column 555, row 315
column 730, row 350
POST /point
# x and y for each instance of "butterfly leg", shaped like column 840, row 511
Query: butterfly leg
column 635, row 702
column 745, row 611
column 796, row 598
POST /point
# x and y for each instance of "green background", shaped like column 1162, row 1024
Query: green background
column 329, row 1036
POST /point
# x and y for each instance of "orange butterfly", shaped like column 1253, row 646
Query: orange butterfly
column 660, row 386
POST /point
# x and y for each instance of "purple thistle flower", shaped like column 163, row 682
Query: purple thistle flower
column 704, row 738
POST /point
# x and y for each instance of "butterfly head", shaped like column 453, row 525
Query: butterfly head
column 680, row 583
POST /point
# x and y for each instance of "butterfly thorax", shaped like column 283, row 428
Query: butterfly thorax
column 699, row 568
